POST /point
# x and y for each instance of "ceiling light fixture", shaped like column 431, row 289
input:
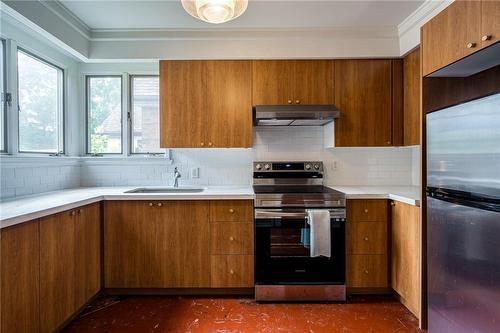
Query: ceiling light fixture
column 215, row 11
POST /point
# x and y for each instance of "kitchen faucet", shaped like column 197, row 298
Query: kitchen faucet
column 177, row 175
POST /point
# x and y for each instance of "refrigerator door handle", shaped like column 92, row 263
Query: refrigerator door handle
column 465, row 198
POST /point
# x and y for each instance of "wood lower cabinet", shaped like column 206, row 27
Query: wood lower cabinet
column 231, row 211
column 363, row 94
column 232, row 271
column 205, row 104
column 367, row 245
column 20, row 278
column 411, row 80
column 156, row 244
column 405, row 254
column 231, row 238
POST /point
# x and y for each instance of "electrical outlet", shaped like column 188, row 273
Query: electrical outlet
column 334, row 166
column 195, row 173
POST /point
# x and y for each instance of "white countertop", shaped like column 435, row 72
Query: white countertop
column 22, row 209
column 406, row 194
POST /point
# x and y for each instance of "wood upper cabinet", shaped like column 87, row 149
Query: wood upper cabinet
column 20, row 272
column 363, row 94
column 490, row 22
column 451, row 35
column 183, row 104
column 405, row 253
column 229, row 104
column 87, row 253
column 278, row 82
column 156, row 244
column 411, row 79
column 205, row 104
column 57, row 270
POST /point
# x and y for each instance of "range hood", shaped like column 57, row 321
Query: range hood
column 294, row 115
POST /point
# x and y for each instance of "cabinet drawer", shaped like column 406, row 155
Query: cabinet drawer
column 232, row 271
column 367, row 238
column 367, row 210
column 231, row 238
column 231, row 211
column 367, row 271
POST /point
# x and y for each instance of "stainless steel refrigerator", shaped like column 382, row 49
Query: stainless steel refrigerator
column 463, row 217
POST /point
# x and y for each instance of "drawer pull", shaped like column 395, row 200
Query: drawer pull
column 160, row 204
column 471, row 45
column 366, row 271
column 73, row 213
column 150, row 204
column 366, row 211
column 231, row 272
column 231, row 238
column 485, row 38
column 231, row 211
column 366, row 238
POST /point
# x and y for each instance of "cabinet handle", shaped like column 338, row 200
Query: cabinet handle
column 471, row 45
column 297, row 102
column 393, row 203
column 366, row 238
column 73, row 213
column 231, row 238
column 150, row 204
column 366, row 271
column 485, row 38
column 366, row 211
column 210, row 144
column 231, row 211
column 388, row 142
column 159, row 204
column 231, row 271
column 289, row 101
column 202, row 144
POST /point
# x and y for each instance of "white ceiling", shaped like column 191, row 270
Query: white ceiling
column 261, row 14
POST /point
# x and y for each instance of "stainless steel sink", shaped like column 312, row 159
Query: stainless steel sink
column 160, row 190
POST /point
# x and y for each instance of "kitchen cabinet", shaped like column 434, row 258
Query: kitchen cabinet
column 231, row 211
column 231, row 238
column 205, row 104
column 156, row 244
column 20, row 272
column 367, row 245
column 462, row 28
column 232, row 271
column 279, row 82
column 364, row 96
column 57, row 270
column 405, row 254
column 87, row 253
column 411, row 79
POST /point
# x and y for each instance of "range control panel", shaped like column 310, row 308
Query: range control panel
column 309, row 166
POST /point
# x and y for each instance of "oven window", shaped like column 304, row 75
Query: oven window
column 289, row 242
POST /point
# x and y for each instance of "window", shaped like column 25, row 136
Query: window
column 104, row 114
column 40, row 94
column 145, row 115
column 3, row 92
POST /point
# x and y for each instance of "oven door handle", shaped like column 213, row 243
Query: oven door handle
column 297, row 214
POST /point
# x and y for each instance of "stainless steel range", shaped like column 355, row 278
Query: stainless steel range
column 284, row 268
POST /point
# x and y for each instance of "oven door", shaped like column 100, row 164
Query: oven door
column 282, row 253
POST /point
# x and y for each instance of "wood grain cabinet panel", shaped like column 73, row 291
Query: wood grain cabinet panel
column 314, row 82
column 20, row 273
column 405, row 254
column 367, row 271
column 229, row 104
column 363, row 94
column 231, row 238
column 490, row 22
column 411, row 79
column 451, row 35
column 231, row 211
column 88, row 253
column 367, row 238
column 156, row 244
column 273, row 82
column 232, row 271
column 183, row 104
column 57, row 270
column 367, row 210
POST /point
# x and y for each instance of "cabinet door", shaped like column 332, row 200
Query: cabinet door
column 57, row 270
column 490, row 22
column 88, row 253
column 313, row 82
column 405, row 252
column 20, row 269
column 446, row 37
column 367, row 271
column 232, row 271
column 182, row 104
column 363, row 95
column 229, row 104
column 411, row 86
column 273, row 82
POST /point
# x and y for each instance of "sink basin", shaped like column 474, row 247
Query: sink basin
column 160, row 190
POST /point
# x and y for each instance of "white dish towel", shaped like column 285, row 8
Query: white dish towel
column 319, row 220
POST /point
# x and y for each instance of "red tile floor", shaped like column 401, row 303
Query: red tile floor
column 230, row 315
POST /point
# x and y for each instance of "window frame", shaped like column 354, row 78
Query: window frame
column 130, row 116
column 61, row 131
column 4, row 92
column 88, row 77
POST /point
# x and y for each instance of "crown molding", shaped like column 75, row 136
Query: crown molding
column 58, row 9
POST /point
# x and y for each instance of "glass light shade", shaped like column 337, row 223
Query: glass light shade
column 215, row 11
